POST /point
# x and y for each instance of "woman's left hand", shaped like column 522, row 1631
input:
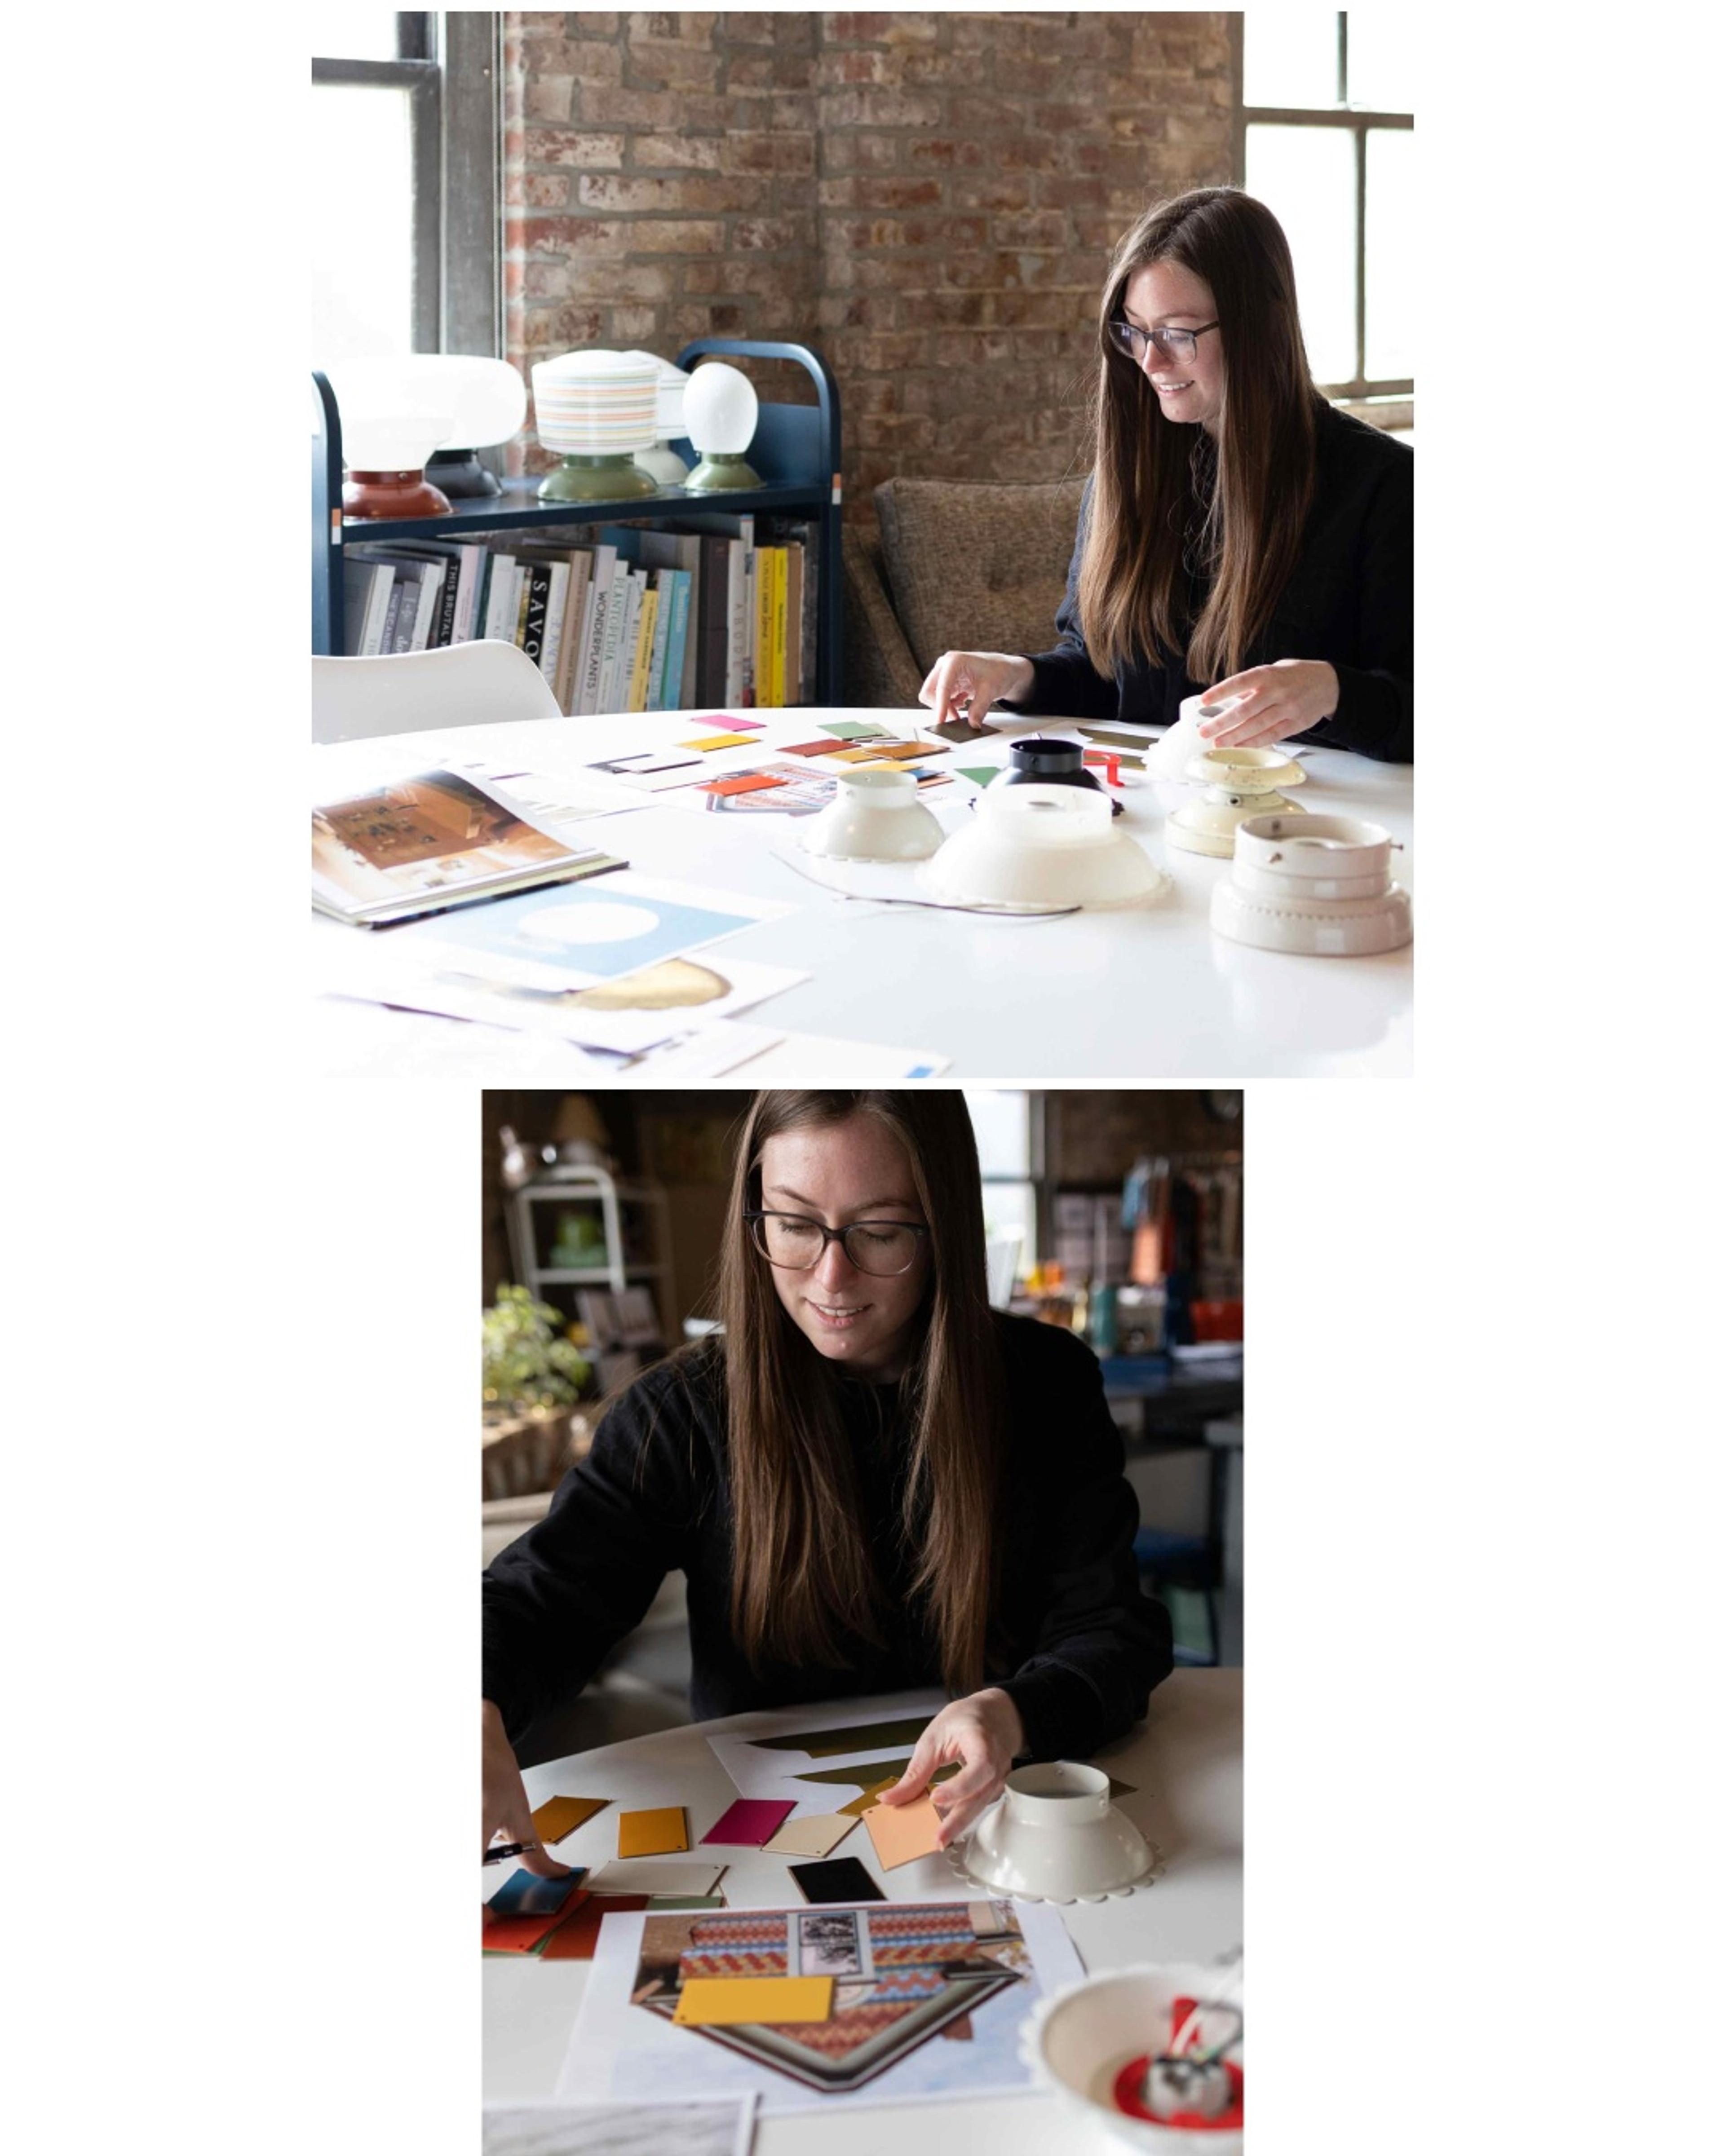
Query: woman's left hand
column 1281, row 699
column 984, row 1732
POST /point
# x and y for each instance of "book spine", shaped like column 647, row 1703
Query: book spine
column 645, row 634
column 500, row 599
column 473, row 562
column 761, row 623
column 392, row 618
column 556, row 599
column 431, row 585
column 568, row 680
column 663, row 580
column 676, row 642
column 781, row 624
column 715, row 628
column 442, row 633
column 622, row 655
column 535, row 603
column 736, row 648
column 794, row 622
column 604, row 564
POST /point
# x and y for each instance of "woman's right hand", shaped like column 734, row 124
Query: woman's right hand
column 507, row 1808
column 979, row 679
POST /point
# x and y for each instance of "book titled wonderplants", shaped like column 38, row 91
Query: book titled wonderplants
column 417, row 846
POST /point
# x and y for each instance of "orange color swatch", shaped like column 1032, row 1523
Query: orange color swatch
column 707, row 2002
column 902, row 1833
column 522, row 1934
column 575, row 1938
column 560, row 1815
column 747, row 782
column 652, row 1833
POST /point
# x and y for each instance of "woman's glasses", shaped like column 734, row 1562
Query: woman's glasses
column 798, row 1243
column 1171, row 344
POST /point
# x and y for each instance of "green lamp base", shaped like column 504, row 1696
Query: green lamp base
column 717, row 474
column 617, row 478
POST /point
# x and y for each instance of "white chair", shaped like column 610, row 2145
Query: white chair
column 463, row 685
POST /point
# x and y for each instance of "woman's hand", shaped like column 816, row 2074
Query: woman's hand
column 975, row 678
column 985, row 1732
column 1280, row 698
column 507, row 1808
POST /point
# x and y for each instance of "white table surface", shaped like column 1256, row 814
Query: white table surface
column 1183, row 1764
column 1145, row 995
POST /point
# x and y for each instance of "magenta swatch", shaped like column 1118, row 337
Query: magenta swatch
column 751, row 1820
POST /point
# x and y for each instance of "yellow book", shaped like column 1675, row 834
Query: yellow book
column 781, row 596
column 644, row 651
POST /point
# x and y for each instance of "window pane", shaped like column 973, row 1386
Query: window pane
column 1010, row 1223
column 363, row 212
column 1390, row 256
column 1291, row 57
column 1380, row 59
column 1305, row 176
column 1002, row 1124
column 352, row 34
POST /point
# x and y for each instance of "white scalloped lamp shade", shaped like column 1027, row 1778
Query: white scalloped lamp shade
column 721, row 412
column 666, row 466
column 1056, row 1837
column 1031, row 848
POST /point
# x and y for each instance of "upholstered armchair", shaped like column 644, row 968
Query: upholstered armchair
column 951, row 566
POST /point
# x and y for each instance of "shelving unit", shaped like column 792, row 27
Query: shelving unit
column 796, row 450
column 569, row 1188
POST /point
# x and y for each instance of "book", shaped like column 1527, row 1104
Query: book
column 714, row 627
column 793, row 689
column 760, row 625
column 571, row 572
column 500, row 599
column 421, row 844
column 637, row 700
column 403, row 597
column 620, row 640
column 662, row 550
column 678, row 649
column 663, row 582
column 536, row 601
column 593, row 631
column 366, row 587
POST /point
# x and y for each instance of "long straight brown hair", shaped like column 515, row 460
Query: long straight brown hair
column 802, row 1575
column 1160, row 488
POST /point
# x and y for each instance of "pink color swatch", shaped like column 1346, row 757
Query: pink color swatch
column 750, row 1821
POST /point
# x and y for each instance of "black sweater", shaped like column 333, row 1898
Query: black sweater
column 1082, row 1646
column 1349, row 599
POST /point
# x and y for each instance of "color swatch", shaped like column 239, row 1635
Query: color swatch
column 750, row 1821
column 560, row 1815
column 816, row 1835
column 575, row 1939
column 644, row 1877
column 902, row 1833
column 710, row 2002
column 652, row 1833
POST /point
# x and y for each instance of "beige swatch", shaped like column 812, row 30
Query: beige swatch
column 813, row 1837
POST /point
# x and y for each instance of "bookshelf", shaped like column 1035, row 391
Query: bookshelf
column 796, row 450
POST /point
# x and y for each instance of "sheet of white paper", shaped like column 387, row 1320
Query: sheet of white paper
column 631, row 2052
column 704, row 2126
column 759, row 1771
column 809, row 1059
column 707, row 1053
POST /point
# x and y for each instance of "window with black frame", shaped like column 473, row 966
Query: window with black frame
column 403, row 183
column 1328, row 144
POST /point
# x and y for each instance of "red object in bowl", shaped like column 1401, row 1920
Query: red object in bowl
column 1129, row 2097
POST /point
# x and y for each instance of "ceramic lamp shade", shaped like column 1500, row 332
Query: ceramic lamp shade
column 666, row 466
column 1319, row 885
column 1056, row 1837
column 875, row 816
column 721, row 412
column 594, row 409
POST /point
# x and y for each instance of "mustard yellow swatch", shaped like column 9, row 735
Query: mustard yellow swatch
column 560, row 1815
column 652, row 1833
column 712, row 2001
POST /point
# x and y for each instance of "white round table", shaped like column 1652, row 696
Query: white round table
column 1183, row 1763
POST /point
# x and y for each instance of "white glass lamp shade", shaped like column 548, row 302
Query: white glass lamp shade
column 1032, row 847
column 720, row 410
column 393, row 412
column 596, row 403
column 668, row 417
column 490, row 400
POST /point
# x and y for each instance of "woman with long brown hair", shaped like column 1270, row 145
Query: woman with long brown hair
column 1238, row 534
column 871, row 1479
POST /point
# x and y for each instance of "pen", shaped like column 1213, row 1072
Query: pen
column 507, row 1848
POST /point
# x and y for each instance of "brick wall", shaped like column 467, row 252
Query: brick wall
column 929, row 200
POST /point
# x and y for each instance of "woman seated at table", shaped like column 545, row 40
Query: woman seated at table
column 872, row 1480
column 1237, row 530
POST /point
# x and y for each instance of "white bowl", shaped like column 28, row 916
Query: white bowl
column 1077, row 2042
column 1032, row 847
column 1054, row 1837
column 1318, row 884
column 875, row 816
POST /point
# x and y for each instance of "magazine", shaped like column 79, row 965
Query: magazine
column 437, row 839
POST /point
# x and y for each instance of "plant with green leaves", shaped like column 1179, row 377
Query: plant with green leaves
column 528, row 1363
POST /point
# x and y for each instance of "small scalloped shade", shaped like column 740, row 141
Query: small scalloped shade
column 720, row 410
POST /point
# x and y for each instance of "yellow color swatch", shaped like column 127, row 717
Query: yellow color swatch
column 652, row 1833
column 872, row 1795
column 560, row 1815
column 707, row 2002
column 719, row 740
